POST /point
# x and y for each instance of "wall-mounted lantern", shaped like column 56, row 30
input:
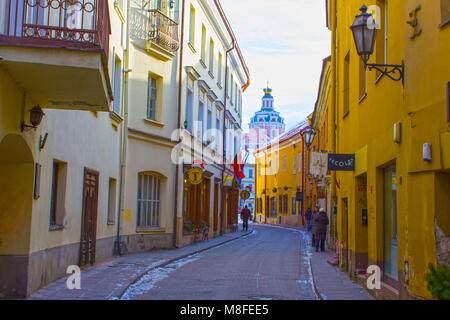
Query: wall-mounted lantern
column 36, row 115
column 364, row 31
column 308, row 136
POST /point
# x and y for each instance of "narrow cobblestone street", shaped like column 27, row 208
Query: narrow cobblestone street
column 266, row 263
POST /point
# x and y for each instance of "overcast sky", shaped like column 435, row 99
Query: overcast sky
column 283, row 42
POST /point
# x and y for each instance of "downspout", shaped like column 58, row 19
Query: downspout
column 224, row 132
column 303, row 180
column 177, row 166
column 124, row 133
column 333, row 101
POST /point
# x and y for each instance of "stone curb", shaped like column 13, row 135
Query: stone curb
column 165, row 263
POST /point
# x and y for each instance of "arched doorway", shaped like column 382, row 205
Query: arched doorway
column 16, row 199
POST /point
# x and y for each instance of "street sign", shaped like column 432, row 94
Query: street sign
column 341, row 162
column 195, row 175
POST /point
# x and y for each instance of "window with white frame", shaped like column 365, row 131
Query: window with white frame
column 152, row 98
column 294, row 165
column 149, row 200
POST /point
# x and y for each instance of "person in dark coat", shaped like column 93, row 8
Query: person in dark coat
column 315, row 212
column 308, row 215
column 245, row 216
column 319, row 229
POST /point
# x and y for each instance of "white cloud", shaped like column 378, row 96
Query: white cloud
column 283, row 42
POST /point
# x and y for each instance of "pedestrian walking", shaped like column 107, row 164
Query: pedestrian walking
column 245, row 216
column 308, row 215
column 314, row 213
column 319, row 229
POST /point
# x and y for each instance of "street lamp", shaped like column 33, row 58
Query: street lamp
column 308, row 136
column 364, row 31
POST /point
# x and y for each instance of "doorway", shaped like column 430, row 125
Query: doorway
column 89, row 217
column 345, row 244
column 16, row 205
column 390, row 225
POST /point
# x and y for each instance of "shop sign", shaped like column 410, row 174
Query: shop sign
column 341, row 162
column 195, row 175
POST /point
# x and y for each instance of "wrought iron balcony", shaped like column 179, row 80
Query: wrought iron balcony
column 64, row 42
column 162, row 31
column 82, row 24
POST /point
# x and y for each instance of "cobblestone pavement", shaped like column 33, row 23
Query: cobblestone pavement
column 270, row 263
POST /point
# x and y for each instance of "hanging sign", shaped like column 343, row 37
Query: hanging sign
column 195, row 175
column 341, row 162
column 245, row 194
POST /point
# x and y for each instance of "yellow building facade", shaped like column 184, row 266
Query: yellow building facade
column 318, row 187
column 394, row 209
column 279, row 180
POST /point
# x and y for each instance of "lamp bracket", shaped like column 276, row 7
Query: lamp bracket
column 395, row 72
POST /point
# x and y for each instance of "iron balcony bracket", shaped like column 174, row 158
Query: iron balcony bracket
column 395, row 72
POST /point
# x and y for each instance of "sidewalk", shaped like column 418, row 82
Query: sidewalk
column 110, row 279
column 330, row 283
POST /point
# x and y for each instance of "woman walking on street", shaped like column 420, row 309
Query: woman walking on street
column 319, row 229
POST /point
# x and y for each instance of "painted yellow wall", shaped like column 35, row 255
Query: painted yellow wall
column 367, row 131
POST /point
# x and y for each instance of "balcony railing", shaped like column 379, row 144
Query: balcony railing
column 56, row 23
column 162, row 30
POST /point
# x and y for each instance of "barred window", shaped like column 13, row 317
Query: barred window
column 148, row 200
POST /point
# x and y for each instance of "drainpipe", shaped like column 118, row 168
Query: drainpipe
column 333, row 99
column 124, row 133
column 177, row 166
column 224, row 131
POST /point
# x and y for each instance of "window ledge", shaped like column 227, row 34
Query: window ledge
column 154, row 122
column 211, row 75
column 149, row 229
column 362, row 98
column 445, row 23
column 345, row 114
column 219, row 85
column 111, row 223
column 191, row 46
column 203, row 64
column 116, row 118
column 55, row 228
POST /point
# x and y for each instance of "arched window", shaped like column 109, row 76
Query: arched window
column 149, row 200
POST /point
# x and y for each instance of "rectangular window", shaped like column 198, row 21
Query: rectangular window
column 445, row 11
column 189, row 110
column 231, row 88
column 448, row 101
column 112, row 201
column 209, row 120
column 117, row 87
column 203, row 52
column 148, row 200
column 381, row 18
column 219, row 70
column 299, row 163
column 362, row 79
column 201, row 115
column 250, row 174
column 284, row 163
column 152, row 98
column 58, row 199
column 211, row 56
column 346, row 88
column 293, row 206
column 192, row 27
column 294, row 164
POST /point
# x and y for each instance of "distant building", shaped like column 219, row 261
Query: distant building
column 265, row 125
column 248, row 183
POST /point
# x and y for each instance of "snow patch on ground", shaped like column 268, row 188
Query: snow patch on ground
column 151, row 278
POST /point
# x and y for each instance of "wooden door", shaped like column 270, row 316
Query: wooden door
column 89, row 217
column 216, row 207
